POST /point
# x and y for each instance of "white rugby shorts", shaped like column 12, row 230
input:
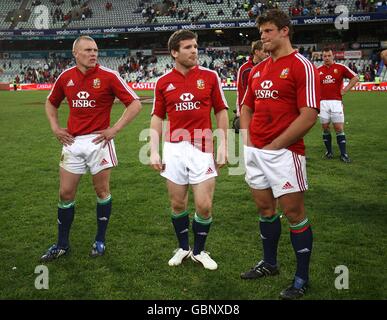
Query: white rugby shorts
column 186, row 164
column 281, row 170
column 84, row 155
column 331, row 111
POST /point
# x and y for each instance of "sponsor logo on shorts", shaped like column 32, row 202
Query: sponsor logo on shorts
column 104, row 162
column 287, row 186
column 209, row 171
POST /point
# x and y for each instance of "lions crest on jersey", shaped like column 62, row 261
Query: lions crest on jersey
column 96, row 83
column 284, row 73
column 200, row 84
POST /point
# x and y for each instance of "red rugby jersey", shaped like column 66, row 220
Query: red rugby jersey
column 187, row 101
column 90, row 97
column 242, row 79
column 276, row 91
column 331, row 79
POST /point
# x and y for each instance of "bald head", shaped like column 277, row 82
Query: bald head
column 79, row 39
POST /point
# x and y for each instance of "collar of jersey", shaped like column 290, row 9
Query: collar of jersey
column 193, row 70
column 89, row 72
column 283, row 57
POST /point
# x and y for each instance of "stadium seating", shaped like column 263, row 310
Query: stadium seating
column 128, row 12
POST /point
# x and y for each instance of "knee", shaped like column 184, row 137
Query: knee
column 204, row 208
column 178, row 206
column 66, row 194
column 294, row 215
column 102, row 192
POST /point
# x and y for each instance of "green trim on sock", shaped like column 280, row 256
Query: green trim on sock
column 66, row 204
column 300, row 225
column 271, row 219
column 104, row 201
column 179, row 215
column 202, row 220
column 340, row 133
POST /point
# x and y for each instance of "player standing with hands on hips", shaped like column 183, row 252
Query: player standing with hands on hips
column 280, row 106
column 186, row 95
column 90, row 90
column 332, row 109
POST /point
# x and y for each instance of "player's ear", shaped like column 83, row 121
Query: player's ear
column 174, row 53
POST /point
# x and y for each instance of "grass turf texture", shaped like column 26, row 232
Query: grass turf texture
column 345, row 203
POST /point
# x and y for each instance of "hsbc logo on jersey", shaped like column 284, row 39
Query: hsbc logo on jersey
column 267, row 84
column 186, row 97
column 187, row 103
column 266, row 93
column 83, row 95
column 328, row 79
column 83, row 102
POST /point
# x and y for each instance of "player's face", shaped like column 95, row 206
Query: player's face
column 272, row 37
column 187, row 56
column 261, row 54
column 86, row 54
column 328, row 57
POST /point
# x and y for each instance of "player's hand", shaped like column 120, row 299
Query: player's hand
column 104, row 136
column 271, row 146
column 155, row 161
column 343, row 92
column 64, row 137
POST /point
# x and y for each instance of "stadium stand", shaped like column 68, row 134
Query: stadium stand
column 96, row 13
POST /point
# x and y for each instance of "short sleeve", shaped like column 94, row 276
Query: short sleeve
column 122, row 91
column 57, row 94
column 248, row 98
column 218, row 99
column 308, row 84
column 159, row 107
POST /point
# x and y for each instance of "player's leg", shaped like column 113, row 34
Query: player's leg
column 203, row 197
column 101, row 183
column 178, row 197
column 66, row 210
column 301, row 237
column 325, row 119
column 270, row 227
column 341, row 141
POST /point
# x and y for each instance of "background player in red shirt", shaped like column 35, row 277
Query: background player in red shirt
column 90, row 90
column 257, row 55
column 383, row 55
column 187, row 95
column 332, row 75
column 280, row 106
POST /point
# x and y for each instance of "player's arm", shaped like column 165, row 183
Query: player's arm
column 156, row 126
column 130, row 112
column 61, row 134
column 349, row 86
column 222, row 125
column 246, row 116
column 296, row 131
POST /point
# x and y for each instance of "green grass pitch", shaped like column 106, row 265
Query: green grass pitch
column 345, row 203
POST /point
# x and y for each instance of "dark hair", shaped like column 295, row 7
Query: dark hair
column 279, row 18
column 326, row 49
column 180, row 35
column 256, row 45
